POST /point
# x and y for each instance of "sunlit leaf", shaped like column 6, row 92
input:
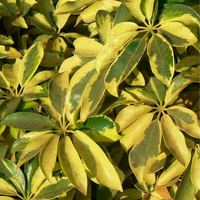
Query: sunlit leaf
column 7, row 188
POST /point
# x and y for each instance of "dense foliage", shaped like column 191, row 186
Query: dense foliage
column 99, row 99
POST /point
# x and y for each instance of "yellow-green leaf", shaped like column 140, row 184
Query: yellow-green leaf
column 135, row 131
column 3, row 81
column 87, row 47
column 48, row 156
column 104, row 24
column 185, row 119
column 33, row 148
column 30, row 63
column 192, row 74
column 111, row 48
column 180, row 13
column 6, row 188
column 4, row 52
column 134, row 8
column 96, row 161
column 177, row 34
column 174, row 139
column 58, row 90
column 72, row 165
column 129, row 114
column 195, row 166
column 124, row 64
column 144, row 153
column 129, row 194
column 19, row 21
column 162, row 65
column 147, row 7
column 76, row 89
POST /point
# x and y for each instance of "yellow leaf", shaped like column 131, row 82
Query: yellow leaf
column 96, row 161
column 6, row 188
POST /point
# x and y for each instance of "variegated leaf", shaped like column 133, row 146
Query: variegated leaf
column 129, row 114
column 132, row 194
column 135, row 131
column 6, row 40
column 177, row 85
column 96, row 161
column 4, row 52
column 134, row 7
column 48, row 156
column 192, row 74
column 174, row 139
column 76, row 89
column 87, row 47
column 180, row 13
column 185, row 119
column 33, row 148
column 144, row 153
column 100, row 128
column 162, row 64
column 19, row 21
column 124, row 64
column 111, row 48
column 92, row 94
column 30, row 63
column 59, row 46
column 72, row 165
column 58, row 90
column 177, row 34
column 104, row 24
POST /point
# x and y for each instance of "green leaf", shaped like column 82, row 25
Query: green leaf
column 192, row 74
column 25, row 105
column 186, row 189
column 28, row 121
column 14, row 174
column 122, row 15
column 177, row 34
column 22, row 141
column 30, row 63
column 14, row 132
column 135, row 131
column 3, row 150
column 72, row 165
column 7, row 188
column 134, row 7
column 179, row 13
column 177, row 85
column 33, row 148
column 93, row 94
column 195, row 165
column 174, row 139
column 11, row 73
column 129, row 114
column 6, row 40
column 96, row 161
column 8, row 107
column 12, row 7
column 58, row 91
column 144, row 153
column 124, row 64
column 162, row 65
column 187, row 62
column 104, row 24
column 48, row 156
column 68, row 7
column 185, row 119
column 47, row 9
column 76, row 88
column 54, row 190
column 100, row 128
column 157, row 88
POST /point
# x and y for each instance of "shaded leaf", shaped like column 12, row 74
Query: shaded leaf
column 28, row 121
column 3, row 81
column 129, row 194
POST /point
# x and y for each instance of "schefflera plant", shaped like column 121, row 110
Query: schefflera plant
column 52, row 135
